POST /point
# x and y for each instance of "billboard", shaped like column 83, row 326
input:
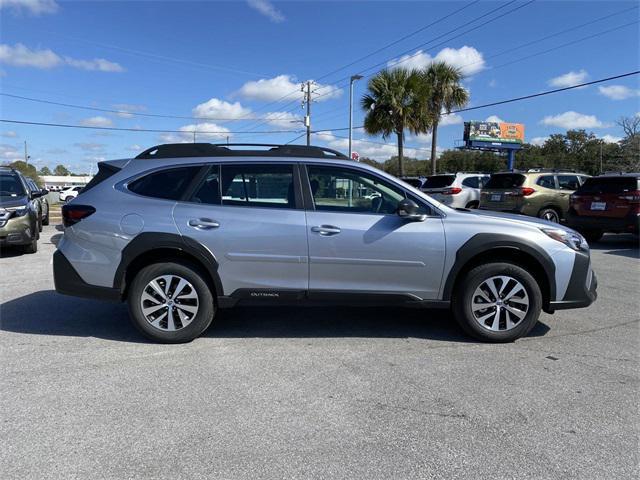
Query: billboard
column 494, row 132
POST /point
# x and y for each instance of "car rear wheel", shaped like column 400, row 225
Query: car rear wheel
column 171, row 302
column 549, row 214
column 497, row 302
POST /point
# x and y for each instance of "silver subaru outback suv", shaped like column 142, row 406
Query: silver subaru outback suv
column 183, row 230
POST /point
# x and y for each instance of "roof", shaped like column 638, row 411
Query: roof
column 189, row 150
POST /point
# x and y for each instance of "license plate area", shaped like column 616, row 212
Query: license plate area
column 598, row 206
column 496, row 197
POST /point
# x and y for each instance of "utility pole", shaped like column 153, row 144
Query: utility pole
column 26, row 157
column 194, row 135
column 307, row 100
column 601, row 142
column 353, row 79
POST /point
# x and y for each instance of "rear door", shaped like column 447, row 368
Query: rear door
column 250, row 216
column 357, row 243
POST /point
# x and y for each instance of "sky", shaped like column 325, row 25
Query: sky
column 233, row 62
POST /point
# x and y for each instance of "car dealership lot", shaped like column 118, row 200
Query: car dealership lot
column 325, row 392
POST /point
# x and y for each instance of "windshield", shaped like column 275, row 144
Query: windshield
column 505, row 180
column 10, row 185
column 438, row 181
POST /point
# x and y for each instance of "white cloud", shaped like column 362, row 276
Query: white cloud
column 469, row 60
column 20, row 55
column 97, row 64
column 424, row 138
column 96, row 122
column 572, row 120
column 618, row 92
column 450, row 119
column 204, row 131
column 127, row 110
column 494, row 118
column 266, row 8
column 284, row 120
column 539, row 141
column 90, row 147
column 9, row 134
column 377, row 150
column 35, row 7
column 10, row 153
column 134, row 148
column 216, row 109
column 272, row 89
column 569, row 79
column 610, row 138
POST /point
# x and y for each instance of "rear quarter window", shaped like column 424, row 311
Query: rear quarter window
column 169, row 184
column 505, row 181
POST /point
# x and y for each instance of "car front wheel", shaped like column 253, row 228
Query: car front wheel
column 171, row 302
column 497, row 302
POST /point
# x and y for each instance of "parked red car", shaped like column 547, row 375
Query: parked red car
column 607, row 203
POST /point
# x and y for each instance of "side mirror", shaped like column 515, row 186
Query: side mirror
column 44, row 191
column 35, row 194
column 409, row 210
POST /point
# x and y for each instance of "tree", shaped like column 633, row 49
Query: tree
column 45, row 171
column 441, row 92
column 392, row 106
column 27, row 169
column 61, row 170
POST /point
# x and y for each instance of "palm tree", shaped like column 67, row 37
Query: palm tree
column 441, row 92
column 392, row 105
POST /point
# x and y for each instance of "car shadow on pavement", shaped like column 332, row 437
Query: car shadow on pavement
column 8, row 252
column 623, row 245
column 71, row 316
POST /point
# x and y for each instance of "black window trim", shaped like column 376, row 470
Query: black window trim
column 310, row 204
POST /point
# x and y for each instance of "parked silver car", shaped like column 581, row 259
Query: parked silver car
column 184, row 230
column 456, row 190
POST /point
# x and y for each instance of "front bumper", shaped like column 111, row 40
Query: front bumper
column 68, row 282
column 583, row 285
column 17, row 231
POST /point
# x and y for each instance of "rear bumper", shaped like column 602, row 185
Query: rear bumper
column 583, row 285
column 630, row 223
column 68, row 282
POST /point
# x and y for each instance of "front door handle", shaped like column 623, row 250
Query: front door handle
column 203, row 223
column 326, row 230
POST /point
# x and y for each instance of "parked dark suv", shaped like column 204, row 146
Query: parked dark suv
column 608, row 203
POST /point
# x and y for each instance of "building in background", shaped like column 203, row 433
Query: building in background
column 57, row 182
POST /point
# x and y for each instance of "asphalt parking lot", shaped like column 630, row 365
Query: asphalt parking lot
column 317, row 392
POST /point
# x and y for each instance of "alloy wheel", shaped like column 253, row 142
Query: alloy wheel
column 500, row 303
column 169, row 303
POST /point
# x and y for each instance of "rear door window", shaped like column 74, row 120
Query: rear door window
column 568, row 182
column 505, row 181
column 438, row 181
column 547, row 181
column 258, row 185
column 169, row 184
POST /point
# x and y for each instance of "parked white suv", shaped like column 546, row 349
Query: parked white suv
column 456, row 190
column 69, row 193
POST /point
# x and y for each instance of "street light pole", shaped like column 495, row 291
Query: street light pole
column 354, row 78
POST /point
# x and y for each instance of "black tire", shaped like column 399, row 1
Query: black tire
column 31, row 247
column 40, row 225
column 463, row 298
column 592, row 236
column 549, row 214
column 198, row 324
column 45, row 220
column 473, row 205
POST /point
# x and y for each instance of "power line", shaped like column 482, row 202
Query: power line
column 128, row 112
column 147, row 130
column 524, row 97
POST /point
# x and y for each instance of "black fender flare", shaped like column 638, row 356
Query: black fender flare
column 485, row 242
column 149, row 241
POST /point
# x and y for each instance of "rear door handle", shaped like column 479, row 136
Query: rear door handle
column 326, row 230
column 203, row 223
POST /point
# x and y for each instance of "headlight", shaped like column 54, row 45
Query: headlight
column 573, row 240
column 18, row 211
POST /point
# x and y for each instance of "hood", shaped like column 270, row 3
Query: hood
column 512, row 217
column 8, row 201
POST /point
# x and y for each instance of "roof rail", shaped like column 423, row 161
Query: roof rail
column 175, row 150
column 551, row 170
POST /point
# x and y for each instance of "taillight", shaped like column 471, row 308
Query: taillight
column 631, row 197
column 526, row 191
column 451, row 191
column 72, row 214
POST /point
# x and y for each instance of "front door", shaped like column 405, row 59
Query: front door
column 250, row 216
column 357, row 243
